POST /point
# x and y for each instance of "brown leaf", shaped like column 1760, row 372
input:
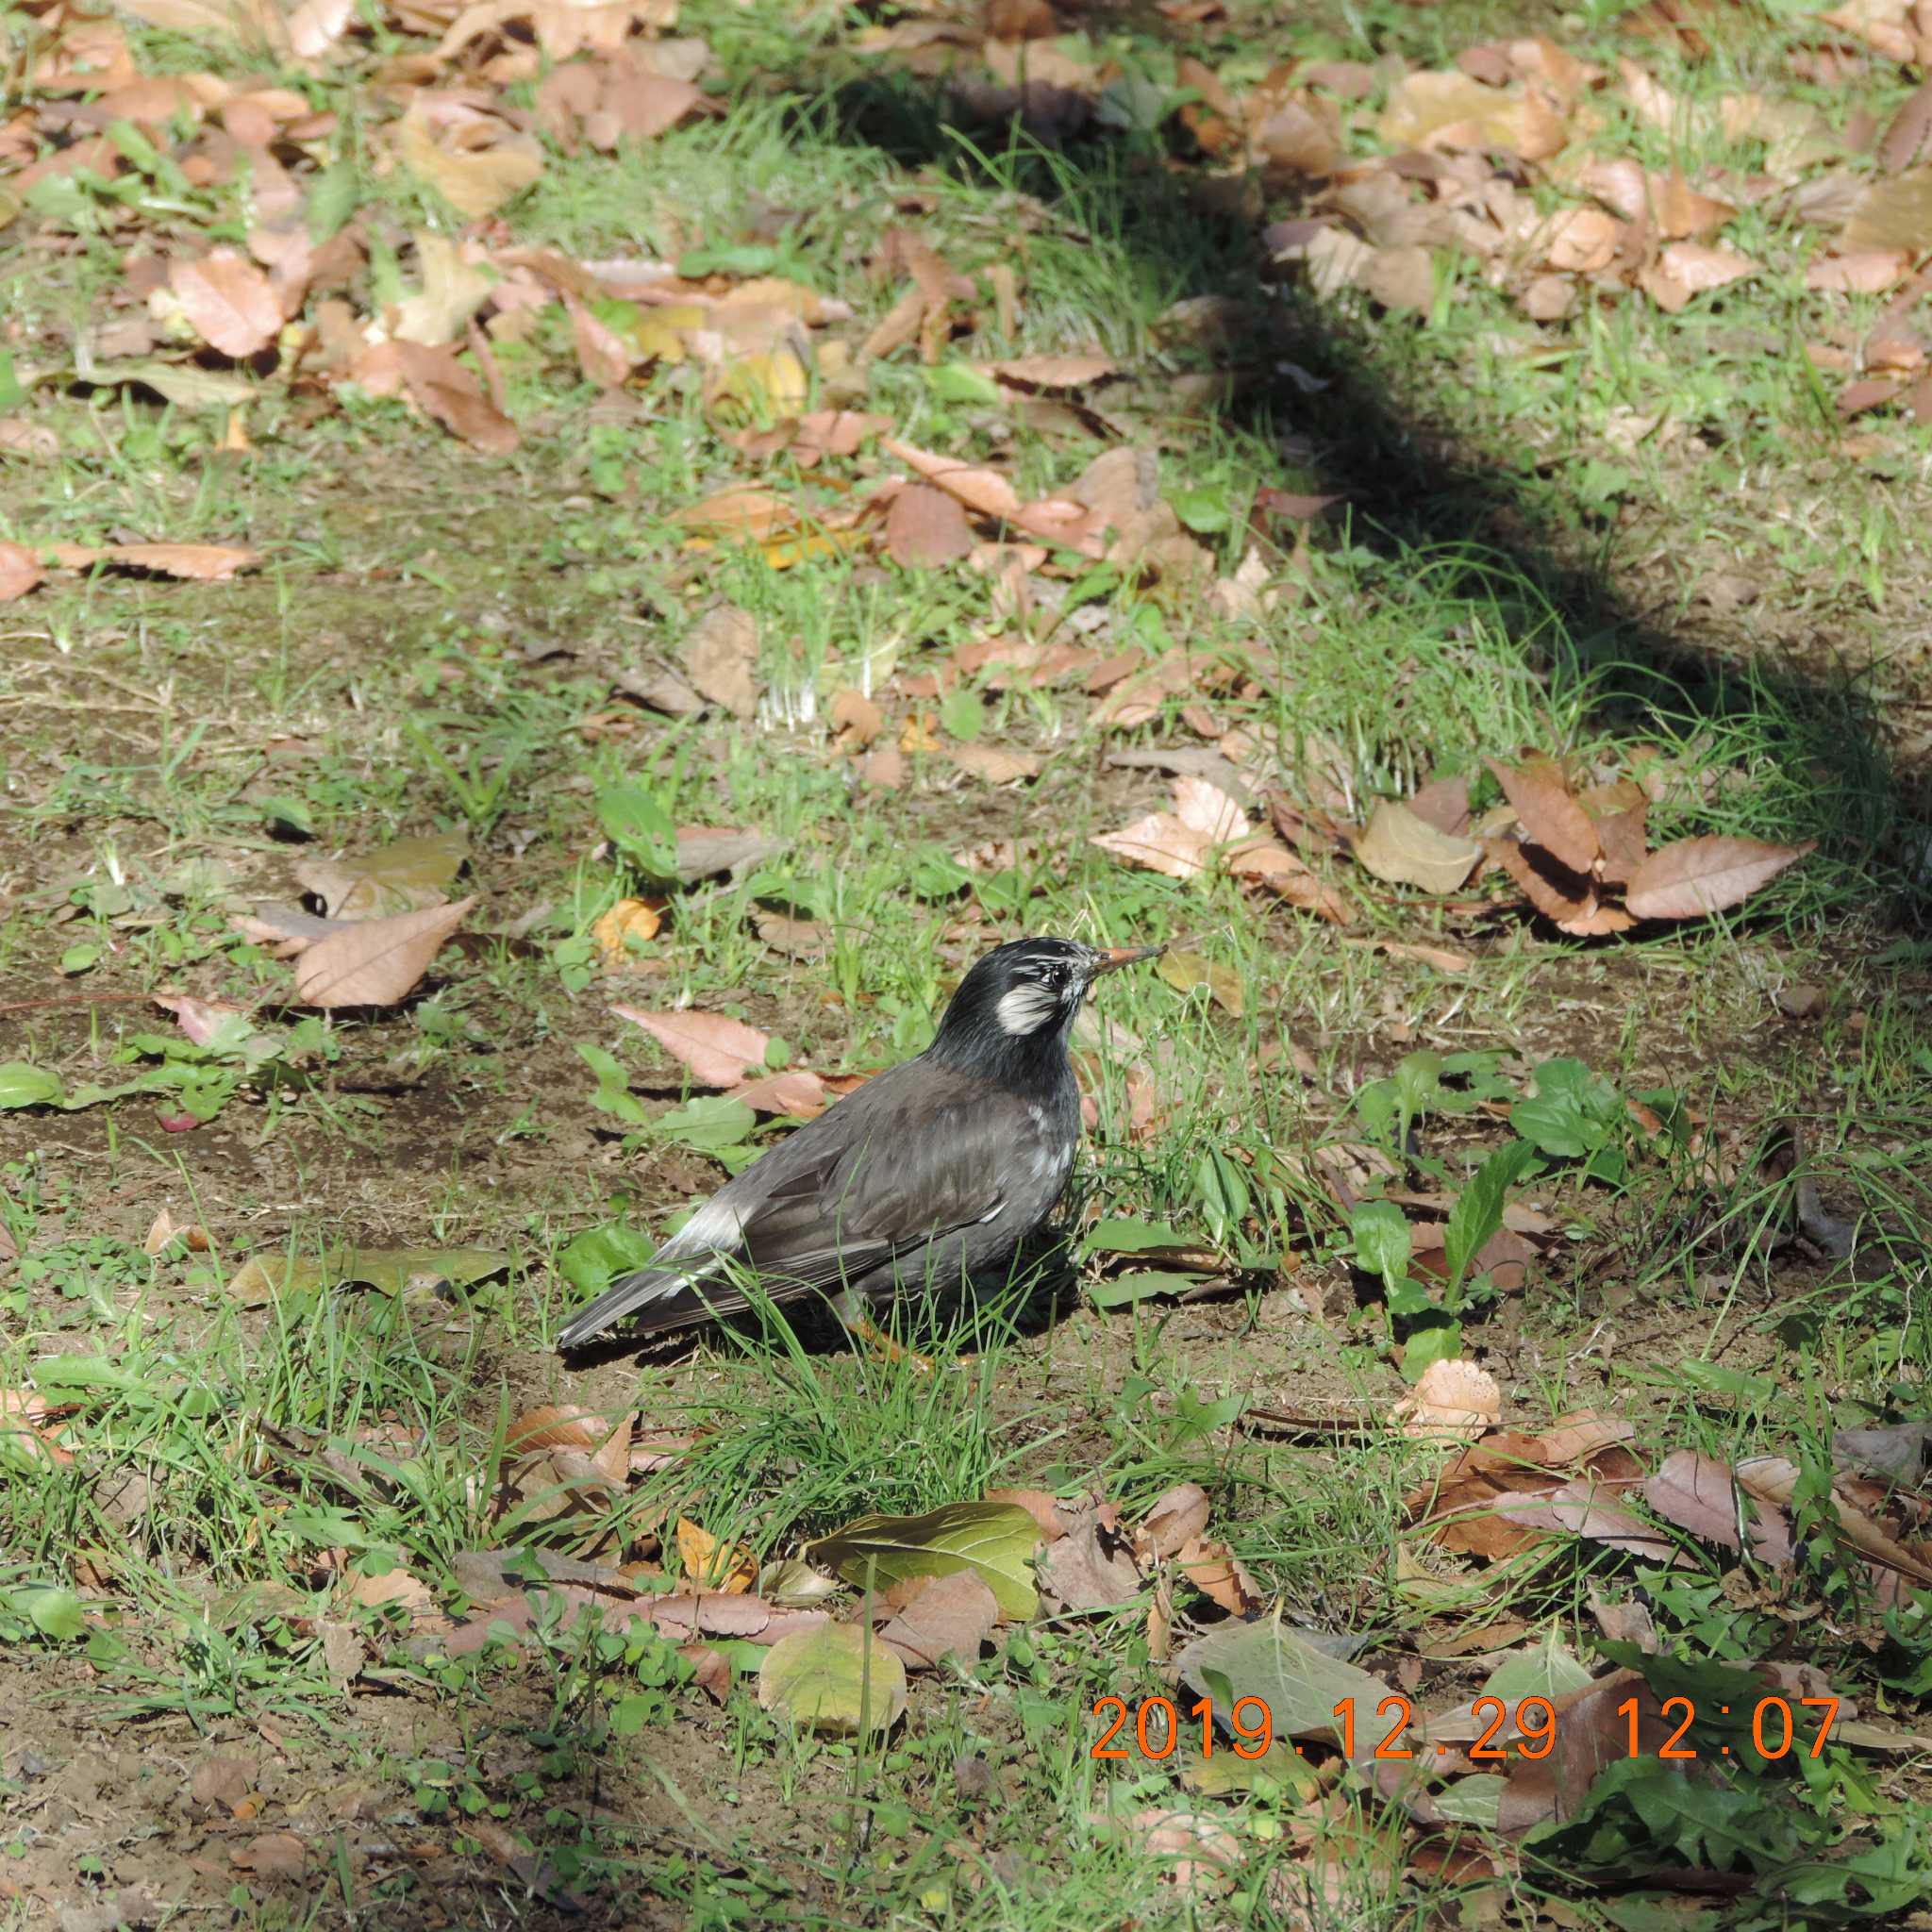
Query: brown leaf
column 1696, row 876
column 207, row 563
column 1555, row 893
column 1867, row 272
column 1584, row 240
column 476, row 160
column 1091, row 1568
column 1044, row 1509
column 1549, row 816
column 1893, row 211
column 1453, row 1402
column 1175, row 1517
column 926, row 527
column 1774, row 1480
column 856, row 720
column 601, row 352
column 231, row 304
column 1452, row 111
column 568, row 1426
column 717, row 1051
column 222, row 1782
column 1444, row 803
column 1054, row 371
column 1203, row 1857
column 796, row 1093
column 442, row 388
column 721, row 656
column 19, row 571
column 1908, row 138
column 946, row 1616
column 1692, row 268
column 375, row 962
column 1695, row 1492
column 1403, row 849
column 799, row 939
column 997, row 766
column 1219, row 1575
column 1579, row 1507
column 984, row 491
column 1178, row 842
column 274, row 1854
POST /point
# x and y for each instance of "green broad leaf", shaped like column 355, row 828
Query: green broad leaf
column 959, row 382
column 937, row 874
column 994, row 1541
column 1300, row 1685
column 709, row 1123
column 1739, row 1385
column 1203, row 511
column 1127, row 1237
column 284, row 814
column 1479, row 1210
column 51, row 1610
column 1549, row 1669
column 1474, row 1801
column 1125, row 1289
column 22, row 1085
column 1381, row 1242
column 838, row 1678
column 641, row 828
column 598, row 1255
column 1573, row 1113
column 1440, row 1342
column 82, row 959
column 613, row 1095
column 963, row 714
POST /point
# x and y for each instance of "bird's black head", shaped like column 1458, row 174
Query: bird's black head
column 1013, row 1009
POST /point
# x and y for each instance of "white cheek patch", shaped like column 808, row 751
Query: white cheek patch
column 1026, row 1007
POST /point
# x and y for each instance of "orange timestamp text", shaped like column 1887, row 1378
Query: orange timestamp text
column 1152, row 1727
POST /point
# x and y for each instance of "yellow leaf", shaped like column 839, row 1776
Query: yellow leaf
column 628, row 920
column 728, row 1568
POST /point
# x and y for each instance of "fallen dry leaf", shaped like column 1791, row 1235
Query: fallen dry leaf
column 1453, row 1402
column 1178, row 842
column 711, row 1564
column 718, row 1052
column 476, row 160
column 945, row 1616
column 375, row 962
column 1548, row 814
column 721, row 658
column 926, row 527
column 629, row 920
column 1695, row 876
column 233, row 306
column 19, row 571
column 1403, row 849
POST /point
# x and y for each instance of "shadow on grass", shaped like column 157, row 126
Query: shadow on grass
column 1421, row 498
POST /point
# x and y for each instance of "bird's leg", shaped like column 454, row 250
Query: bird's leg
column 882, row 1344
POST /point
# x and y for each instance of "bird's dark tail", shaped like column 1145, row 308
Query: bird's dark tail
column 661, row 1298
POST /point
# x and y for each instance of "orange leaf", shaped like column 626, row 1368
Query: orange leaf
column 728, row 1568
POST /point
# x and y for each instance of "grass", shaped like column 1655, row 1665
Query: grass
column 1527, row 559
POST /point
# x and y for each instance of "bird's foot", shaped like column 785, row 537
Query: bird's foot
column 883, row 1345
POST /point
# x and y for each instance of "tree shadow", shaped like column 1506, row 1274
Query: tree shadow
column 1415, row 491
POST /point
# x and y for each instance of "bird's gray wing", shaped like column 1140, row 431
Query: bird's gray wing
column 844, row 1194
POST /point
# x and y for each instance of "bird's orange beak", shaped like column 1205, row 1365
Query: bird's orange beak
column 1113, row 957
